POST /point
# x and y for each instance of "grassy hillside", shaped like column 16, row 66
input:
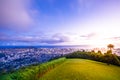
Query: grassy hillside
column 81, row 69
column 32, row 72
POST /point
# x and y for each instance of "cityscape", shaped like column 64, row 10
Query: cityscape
column 15, row 58
column 12, row 59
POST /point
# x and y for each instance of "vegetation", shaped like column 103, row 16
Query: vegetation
column 108, row 57
column 82, row 69
column 110, row 46
column 33, row 72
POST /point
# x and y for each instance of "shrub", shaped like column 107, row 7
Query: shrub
column 108, row 57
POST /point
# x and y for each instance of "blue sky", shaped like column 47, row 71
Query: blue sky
column 59, row 22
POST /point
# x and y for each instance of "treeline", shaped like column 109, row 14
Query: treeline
column 107, row 57
column 32, row 72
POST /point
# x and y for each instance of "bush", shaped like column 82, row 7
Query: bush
column 108, row 57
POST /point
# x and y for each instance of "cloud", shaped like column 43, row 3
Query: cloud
column 57, row 38
column 114, row 38
column 54, row 39
column 15, row 13
column 89, row 36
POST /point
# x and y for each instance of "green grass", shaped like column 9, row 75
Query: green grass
column 33, row 72
column 82, row 69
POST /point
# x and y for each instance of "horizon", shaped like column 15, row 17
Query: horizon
column 92, row 23
column 60, row 46
column 50, row 46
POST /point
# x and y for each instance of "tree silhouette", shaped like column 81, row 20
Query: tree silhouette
column 110, row 47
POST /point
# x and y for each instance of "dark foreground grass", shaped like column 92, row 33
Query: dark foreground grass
column 81, row 69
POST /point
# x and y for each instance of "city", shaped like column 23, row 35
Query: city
column 12, row 59
column 15, row 58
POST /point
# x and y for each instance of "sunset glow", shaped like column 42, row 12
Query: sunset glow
column 52, row 22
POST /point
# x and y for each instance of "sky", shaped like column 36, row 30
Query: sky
column 59, row 22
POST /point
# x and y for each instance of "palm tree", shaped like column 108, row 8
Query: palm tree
column 110, row 46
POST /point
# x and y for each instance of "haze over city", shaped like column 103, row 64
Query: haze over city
column 59, row 22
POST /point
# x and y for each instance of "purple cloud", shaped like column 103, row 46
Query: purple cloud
column 57, row 38
column 15, row 13
column 89, row 36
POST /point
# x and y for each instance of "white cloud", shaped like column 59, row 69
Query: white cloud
column 15, row 13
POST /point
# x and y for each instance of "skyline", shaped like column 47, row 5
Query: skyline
column 59, row 22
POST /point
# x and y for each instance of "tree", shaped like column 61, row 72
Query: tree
column 109, row 51
column 93, row 51
column 99, row 52
column 110, row 46
column 111, row 58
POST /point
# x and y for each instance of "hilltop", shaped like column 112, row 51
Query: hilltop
column 82, row 69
